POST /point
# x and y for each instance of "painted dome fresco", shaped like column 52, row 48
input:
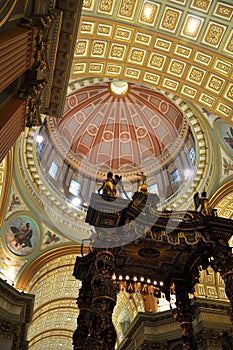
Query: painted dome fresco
column 117, row 131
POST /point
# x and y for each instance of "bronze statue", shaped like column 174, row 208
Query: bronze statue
column 143, row 187
column 109, row 185
column 202, row 201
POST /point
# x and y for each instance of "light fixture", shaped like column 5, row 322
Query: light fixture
column 192, row 25
column 134, row 284
column 147, row 11
column 39, row 138
column 119, row 87
column 76, row 201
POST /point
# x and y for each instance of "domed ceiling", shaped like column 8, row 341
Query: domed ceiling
column 107, row 130
column 125, row 128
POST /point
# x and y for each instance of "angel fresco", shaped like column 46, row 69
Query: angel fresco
column 51, row 238
column 15, row 201
column 22, row 235
column 228, row 166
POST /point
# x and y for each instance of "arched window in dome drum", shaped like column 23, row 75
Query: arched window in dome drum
column 74, row 187
column 53, row 171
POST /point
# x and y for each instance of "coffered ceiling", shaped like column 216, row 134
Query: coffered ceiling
column 183, row 47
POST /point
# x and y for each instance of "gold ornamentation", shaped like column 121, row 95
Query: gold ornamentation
column 222, row 293
column 80, row 48
column 224, row 109
column 157, row 61
column 152, row 78
column 104, row 29
column 87, row 4
column 207, row 100
column 127, row 8
column 87, row 27
column 210, row 277
column 132, row 73
column 41, row 27
column 176, row 68
column 117, row 51
column 98, row 48
column 196, row 75
column 162, row 236
column 192, row 26
column 230, row 93
column 201, row 290
column 224, row 10
column 105, row 6
column 188, row 91
column 149, row 11
column 202, row 58
column 223, row 66
column 79, row 67
column 123, row 33
column 170, row 20
column 214, row 34
column 32, row 93
column 170, row 84
column 215, row 83
column 163, row 44
column 143, row 38
column 183, row 51
column 113, row 69
column 137, row 55
column 201, row 4
column 96, row 67
column 211, row 292
column 229, row 46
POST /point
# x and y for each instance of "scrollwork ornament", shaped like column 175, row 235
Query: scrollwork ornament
column 41, row 26
column 32, row 93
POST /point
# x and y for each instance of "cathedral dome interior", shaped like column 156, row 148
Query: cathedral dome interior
column 142, row 89
column 102, row 130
